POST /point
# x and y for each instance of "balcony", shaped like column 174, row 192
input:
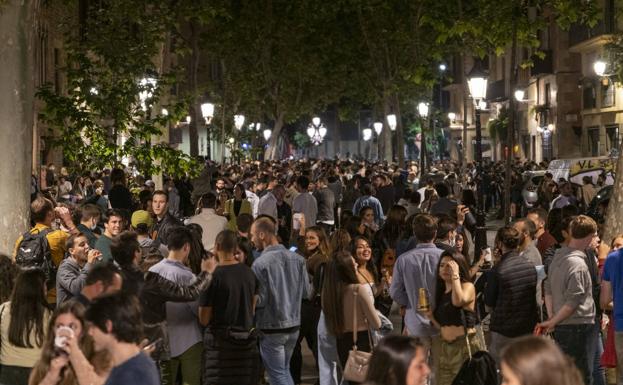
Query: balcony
column 579, row 34
column 542, row 66
column 496, row 90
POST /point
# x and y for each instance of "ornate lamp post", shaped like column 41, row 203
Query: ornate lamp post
column 477, row 82
column 422, row 109
column 207, row 111
column 316, row 131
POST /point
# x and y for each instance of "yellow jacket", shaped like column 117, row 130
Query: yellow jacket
column 245, row 208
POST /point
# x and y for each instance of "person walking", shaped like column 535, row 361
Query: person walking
column 284, row 283
column 226, row 308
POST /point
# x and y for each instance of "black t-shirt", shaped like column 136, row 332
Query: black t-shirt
column 139, row 369
column 230, row 296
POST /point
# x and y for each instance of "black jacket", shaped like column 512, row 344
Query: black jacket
column 511, row 292
column 164, row 226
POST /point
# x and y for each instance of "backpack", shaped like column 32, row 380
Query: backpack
column 478, row 370
column 34, row 251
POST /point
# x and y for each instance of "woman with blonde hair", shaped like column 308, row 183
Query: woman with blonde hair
column 537, row 361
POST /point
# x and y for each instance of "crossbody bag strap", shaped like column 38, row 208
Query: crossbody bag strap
column 464, row 322
column 355, row 319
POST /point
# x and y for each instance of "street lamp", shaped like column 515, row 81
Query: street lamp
column 452, row 116
column 600, row 68
column 442, row 67
column 316, row 131
column 238, row 121
column 477, row 82
column 367, row 134
column 378, row 127
column 391, row 122
column 422, row 109
column 207, row 111
column 267, row 133
column 520, row 95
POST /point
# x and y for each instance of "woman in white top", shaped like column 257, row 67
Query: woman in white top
column 23, row 323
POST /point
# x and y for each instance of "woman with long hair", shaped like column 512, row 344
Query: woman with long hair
column 398, row 360
column 22, row 327
column 68, row 356
column 342, row 294
column 316, row 252
column 244, row 251
column 454, row 314
column 368, row 218
column 537, row 361
column 367, row 272
column 8, row 274
column 239, row 204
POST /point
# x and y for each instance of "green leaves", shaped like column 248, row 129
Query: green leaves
column 109, row 114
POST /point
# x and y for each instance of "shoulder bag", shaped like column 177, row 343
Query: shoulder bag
column 356, row 367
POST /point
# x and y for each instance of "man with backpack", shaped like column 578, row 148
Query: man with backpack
column 41, row 246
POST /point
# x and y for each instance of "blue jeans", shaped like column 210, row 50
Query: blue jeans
column 579, row 342
column 328, row 361
column 276, row 351
column 599, row 373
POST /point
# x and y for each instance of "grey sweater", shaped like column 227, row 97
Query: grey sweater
column 70, row 279
column 569, row 283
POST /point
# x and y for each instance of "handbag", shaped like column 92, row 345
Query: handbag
column 356, row 367
column 609, row 356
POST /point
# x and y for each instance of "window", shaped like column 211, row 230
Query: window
column 588, row 96
column 547, row 93
column 612, row 137
column 607, row 95
column 593, row 141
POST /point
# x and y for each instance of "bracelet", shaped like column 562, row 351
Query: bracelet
column 455, row 277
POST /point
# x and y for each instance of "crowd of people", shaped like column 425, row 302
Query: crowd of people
column 222, row 280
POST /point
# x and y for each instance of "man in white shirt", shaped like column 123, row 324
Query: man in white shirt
column 211, row 223
column 252, row 197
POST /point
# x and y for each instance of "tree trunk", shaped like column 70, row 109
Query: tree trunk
column 193, row 72
column 400, row 139
column 614, row 217
column 386, row 136
column 17, row 30
column 271, row 152
column 510, row 133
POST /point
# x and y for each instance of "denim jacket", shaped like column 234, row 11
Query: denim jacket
column 283, row 284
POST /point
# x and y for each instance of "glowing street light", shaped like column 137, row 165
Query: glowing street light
column 452, row 116
column 367, row 134
column 238, row 121
column 520, row 95
column 207, row 111
column 391, row 122
column 422, row 109
column 600, row 68
column 267, row 133
column 316, row 131
column 378, row 127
